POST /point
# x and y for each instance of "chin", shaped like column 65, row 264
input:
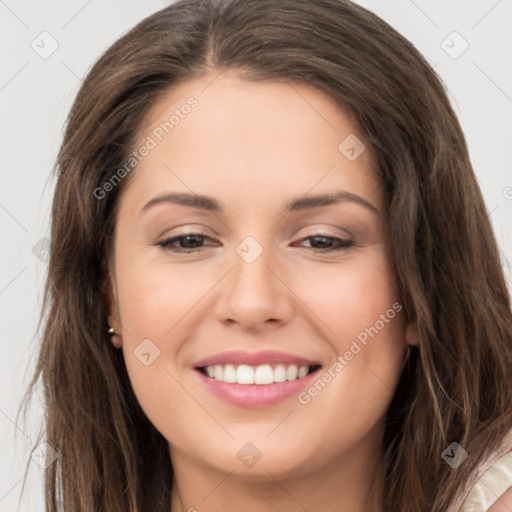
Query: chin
column 253, row 460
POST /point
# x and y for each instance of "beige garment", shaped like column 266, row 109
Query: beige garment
column 492, row 478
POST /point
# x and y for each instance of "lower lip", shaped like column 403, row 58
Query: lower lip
column 256, row 395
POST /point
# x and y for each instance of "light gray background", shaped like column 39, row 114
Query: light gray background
column 36, row 94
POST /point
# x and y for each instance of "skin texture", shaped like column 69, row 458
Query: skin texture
column 253, row 146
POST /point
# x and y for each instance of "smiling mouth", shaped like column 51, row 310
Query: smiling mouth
column 264, row 374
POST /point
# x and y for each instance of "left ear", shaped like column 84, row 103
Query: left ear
column 113, row 312
column 411, row 333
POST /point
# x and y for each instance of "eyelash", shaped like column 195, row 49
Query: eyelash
column 166, row 244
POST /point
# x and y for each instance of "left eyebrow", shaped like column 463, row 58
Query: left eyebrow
column 307, row 202
column 185, row 199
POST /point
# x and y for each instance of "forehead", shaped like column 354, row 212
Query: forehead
column 254, row 140
column 225, row 101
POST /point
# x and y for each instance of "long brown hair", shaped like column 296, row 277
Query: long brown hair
column 456, row 386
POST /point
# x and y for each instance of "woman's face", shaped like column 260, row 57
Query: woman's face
column 273, row 269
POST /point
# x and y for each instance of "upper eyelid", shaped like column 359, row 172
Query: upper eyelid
column 202, row 230
column 176, row 238
column 312, row 234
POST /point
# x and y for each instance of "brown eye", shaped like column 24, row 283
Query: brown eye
column 324, row 243
column 189, row 242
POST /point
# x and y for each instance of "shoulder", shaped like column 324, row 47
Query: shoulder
column 490, row 483
column 493, row 489
column 503, row 503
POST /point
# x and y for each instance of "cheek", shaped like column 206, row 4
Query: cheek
column 363, row 320
column 154, row 296
column 151, row 310
column 348, row 299
column 152, row 300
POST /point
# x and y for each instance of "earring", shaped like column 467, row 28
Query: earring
column 116, row 338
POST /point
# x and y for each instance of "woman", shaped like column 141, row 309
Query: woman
column 273, row 283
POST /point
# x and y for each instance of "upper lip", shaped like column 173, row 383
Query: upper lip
column 237, row 357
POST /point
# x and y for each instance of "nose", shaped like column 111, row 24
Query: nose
column 255, row 294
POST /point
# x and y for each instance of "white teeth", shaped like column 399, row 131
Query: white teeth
column 245, row 374
column 291, row 372
column 263, row 374
column 229, row 373
column 303, row 371
column 219, row 372
column 280, row 373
